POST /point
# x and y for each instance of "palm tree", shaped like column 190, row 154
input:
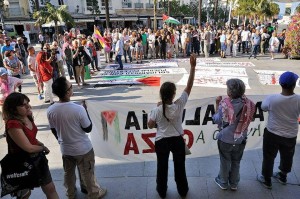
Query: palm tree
column 199, row 12
column 51, row 13
column 216, row 10
column 107, row 13
column 154, row 20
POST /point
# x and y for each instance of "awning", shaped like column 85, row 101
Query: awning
column 52, row 24
column 18, row 22
column 159, row 18
column 117, row 19
column 130, row 18
column 83, row 20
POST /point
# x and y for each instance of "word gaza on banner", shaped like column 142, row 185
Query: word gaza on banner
column 120, row 130
column 214, row 81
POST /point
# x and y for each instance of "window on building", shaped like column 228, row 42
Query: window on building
column 103, row 4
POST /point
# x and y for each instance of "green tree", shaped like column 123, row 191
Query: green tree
column 298, row 8
column 93, row 6
column 51, row 13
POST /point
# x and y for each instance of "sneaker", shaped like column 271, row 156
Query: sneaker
column 280, row 177
column 233, row 187
column 48, row 101
column 220, row 184
column 267, row 184
column 102, row 192
column 40, row 97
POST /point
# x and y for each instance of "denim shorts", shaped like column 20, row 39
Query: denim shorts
column 223, row 46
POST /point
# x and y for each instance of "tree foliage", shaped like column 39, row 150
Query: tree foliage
column 256, row 9
column 298, row 8
column 93, row 6
column 51, row 13
column 292, row 40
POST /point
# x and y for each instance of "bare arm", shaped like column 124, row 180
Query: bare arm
column 190, row 82
column 22, row 141
column 151, row 124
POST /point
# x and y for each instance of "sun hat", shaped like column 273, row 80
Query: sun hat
column 3, row 71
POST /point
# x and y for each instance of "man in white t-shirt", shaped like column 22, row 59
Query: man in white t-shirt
column 245, row 35
column 281, row 131
column 69, row 123
column 31, row 60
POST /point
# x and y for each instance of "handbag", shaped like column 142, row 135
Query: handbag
column 186, row 148
column 19, row 172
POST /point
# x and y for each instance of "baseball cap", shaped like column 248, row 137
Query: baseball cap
column 7, row 39
column 19, row 38
column 3, row 71
column 288, row 78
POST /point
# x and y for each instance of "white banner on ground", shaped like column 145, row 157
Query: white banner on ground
column 225, row 64
column 269, row 77
column 218, row 71
column 215, row 81
column 152, row 71
column 145, row 65
column 120, row 130
column 214, row 59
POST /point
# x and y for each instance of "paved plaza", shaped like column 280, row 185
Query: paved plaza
column 136, row 180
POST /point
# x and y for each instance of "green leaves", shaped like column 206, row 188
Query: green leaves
column 51, row 13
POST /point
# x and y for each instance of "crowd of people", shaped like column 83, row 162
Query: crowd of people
column 81, row 55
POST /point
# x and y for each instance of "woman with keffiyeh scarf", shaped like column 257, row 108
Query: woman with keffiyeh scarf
column 233, row 116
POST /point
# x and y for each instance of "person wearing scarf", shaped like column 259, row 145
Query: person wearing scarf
column 233, row 116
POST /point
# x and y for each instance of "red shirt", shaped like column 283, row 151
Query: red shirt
column 30, row 134
column 45, row 71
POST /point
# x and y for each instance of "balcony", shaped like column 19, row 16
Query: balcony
column 126, row 5
column 149, row 5
column 138, row 5
column 15, row 12
column 103, row 8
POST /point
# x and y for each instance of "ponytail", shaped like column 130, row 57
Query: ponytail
column 164, row 109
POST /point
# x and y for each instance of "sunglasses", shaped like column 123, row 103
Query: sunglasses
column 69, row 88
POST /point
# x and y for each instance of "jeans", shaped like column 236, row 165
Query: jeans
column 245, row 46
column 254, row 51
column 127, row 52
column 163, row 148
column 230, row 158
column 70, row 68
column 86, row 165
column 271, row 145
column 188, row 49
column 61, row 69
column 119, row 60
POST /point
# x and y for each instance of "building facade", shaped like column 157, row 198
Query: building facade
column 17, row 14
